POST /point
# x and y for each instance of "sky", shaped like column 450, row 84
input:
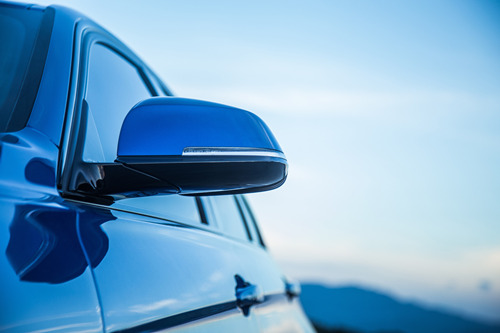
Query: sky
column 388, row 113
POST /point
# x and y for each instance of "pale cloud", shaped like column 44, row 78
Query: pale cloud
column 372, row 104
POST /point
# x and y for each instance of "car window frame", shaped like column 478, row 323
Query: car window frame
column 87, row 35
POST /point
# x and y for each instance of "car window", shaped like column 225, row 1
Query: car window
column 250, row 220
column 114, row 86
column 225, row 213
column 24, row 36
column 174, row 207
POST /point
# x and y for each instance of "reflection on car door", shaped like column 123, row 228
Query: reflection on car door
column 159, row 274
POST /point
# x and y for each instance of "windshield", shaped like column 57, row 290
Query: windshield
column 24, row 36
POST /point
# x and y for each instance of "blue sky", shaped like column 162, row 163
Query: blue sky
column 389, row 113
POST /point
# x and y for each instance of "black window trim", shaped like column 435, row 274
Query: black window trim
column 201, row 211
column 253, row 220
column 243, row 219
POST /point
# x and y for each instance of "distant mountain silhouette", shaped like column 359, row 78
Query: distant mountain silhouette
column 356, row 310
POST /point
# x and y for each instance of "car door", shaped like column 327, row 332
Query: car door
column 165, row 266
column 279, row 310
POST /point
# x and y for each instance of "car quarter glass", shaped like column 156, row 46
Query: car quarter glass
column 114, row 85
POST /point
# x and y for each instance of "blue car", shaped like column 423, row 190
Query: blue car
column 121, row 206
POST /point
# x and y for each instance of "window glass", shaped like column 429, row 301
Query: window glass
column 93, row 147
column 114, row 86
column 171, row 206
column 227, row 216
column 18, row 36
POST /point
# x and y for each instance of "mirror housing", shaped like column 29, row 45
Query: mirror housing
column 200, row 147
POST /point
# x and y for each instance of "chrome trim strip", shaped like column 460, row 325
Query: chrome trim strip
column 228, row 308
column 211, row 312
column 230, row 151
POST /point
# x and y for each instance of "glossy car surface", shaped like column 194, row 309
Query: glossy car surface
column 96, row 238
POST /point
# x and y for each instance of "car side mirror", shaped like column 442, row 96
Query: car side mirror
column 200, row 147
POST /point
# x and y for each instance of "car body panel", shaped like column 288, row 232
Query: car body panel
column 46, row 280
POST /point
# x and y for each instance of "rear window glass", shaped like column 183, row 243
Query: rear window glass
column 20, row 29
column 225, row 213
